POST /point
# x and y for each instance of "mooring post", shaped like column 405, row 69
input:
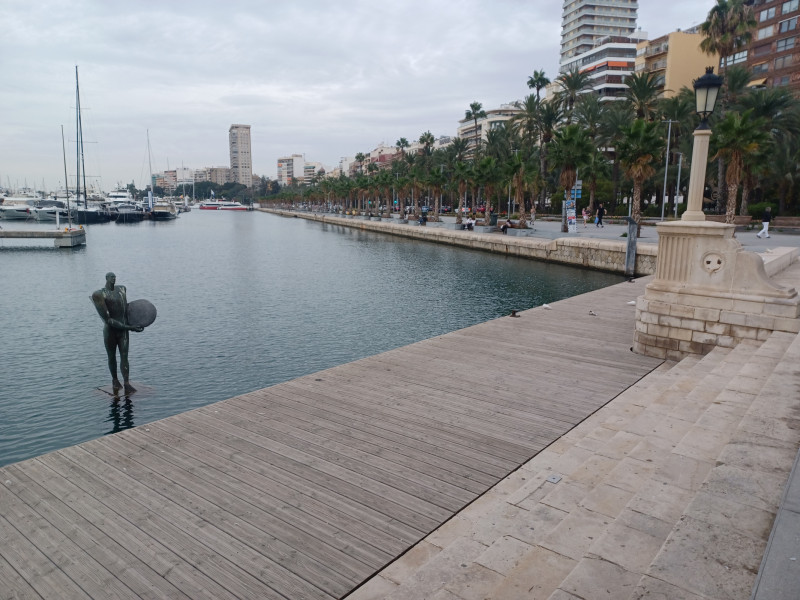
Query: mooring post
column 630, row 252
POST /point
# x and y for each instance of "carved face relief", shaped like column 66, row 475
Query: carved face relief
column 712, row 262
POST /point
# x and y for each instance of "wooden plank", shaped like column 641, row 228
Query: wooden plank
column 112, row 557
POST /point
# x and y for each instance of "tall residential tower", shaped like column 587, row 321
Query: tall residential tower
column 585, row 22
column 241, row 159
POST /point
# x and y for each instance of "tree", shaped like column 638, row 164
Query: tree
column 427, row 140
column 550, row 115
column 638, row 149
column 462, row 175
column 727, row 28
column 737, row 137
column 474, row 113
column 570, row 149
column 360, row 157
column 643, row 93
column 537, row 81
column 571, row 85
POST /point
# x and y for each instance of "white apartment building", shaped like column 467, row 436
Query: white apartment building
column 240, row 153
column 310, row 170
column 585, row 22
column 608, row 64
column 291, row 169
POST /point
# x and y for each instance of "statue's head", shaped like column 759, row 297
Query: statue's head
column 111, row 279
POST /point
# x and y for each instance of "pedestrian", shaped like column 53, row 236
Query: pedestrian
column 505, row 226
column 585, row 216
column 598, row 221
column 765, row 219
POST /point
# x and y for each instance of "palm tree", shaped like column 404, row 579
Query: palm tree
column 360, row 158
column 617, row 119
column 537, row 81
column 571, row 84
column 737, row 137
column 727, row 28
column 427, row 140
column 589, row 112
column 462, row 175
column 474, row 113
column 595, row 167
column 550, row 115
column 643, row 93
column 570, row 149
column 489, row 176
column 638, row 149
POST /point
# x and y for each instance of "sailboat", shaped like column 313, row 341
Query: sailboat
column 87, row 214
column 160, row 209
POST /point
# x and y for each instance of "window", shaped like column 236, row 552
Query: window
column 735, row 59
column 783, row 61
column 789, row 6
column 765, row 32
column 788, row 25
column 760, row 68
column 767, row 14
column 781, row 81
column 762, row 50
column 785, row 44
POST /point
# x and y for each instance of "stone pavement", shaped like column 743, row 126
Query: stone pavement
column 670, row 491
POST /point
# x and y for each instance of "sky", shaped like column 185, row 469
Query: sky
column 322, row 78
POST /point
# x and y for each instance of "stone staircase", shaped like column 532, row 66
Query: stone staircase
column 668, row 492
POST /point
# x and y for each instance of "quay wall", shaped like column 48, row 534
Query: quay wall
column 605, row 255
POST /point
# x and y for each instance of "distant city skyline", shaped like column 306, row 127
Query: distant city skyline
column 325, row 80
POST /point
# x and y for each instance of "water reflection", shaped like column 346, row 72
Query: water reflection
column 120, row 414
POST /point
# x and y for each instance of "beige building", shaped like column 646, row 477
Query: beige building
column 291, row 169
column 676, row 60
column 241, row 157
column 494, row 118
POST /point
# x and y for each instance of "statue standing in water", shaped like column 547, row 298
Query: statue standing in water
column 112, row 306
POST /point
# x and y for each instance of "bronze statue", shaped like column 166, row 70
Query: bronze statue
column 112, row 305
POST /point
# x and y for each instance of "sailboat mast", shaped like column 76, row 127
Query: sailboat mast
column 66, row 180
column 77, row 142
column 80, row 141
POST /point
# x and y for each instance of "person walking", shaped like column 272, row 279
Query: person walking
column 765, row 219
column 585, row 216
column 600, row 212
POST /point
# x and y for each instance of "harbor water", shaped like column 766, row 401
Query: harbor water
column 245, row 300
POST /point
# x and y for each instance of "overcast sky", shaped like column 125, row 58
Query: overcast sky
column 321, row 78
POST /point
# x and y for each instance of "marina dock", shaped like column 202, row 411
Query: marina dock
column 308, row 488
column 61, row 238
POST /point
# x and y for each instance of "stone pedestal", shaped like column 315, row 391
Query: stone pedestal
column 708, row 292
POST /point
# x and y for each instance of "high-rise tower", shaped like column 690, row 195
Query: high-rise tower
column 241, row 159
column 585, row 22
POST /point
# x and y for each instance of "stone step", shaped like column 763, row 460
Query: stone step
column 618, row 559
column 715, row 548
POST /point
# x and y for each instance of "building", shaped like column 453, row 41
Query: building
column 291, row 169
column 608, row 63
column 585, row 22
column 772, row 56
column 310, row 172
column 494, row 118
column 241, row 157
column 219, row 175
column 676, row 60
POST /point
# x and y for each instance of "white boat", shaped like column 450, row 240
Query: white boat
column 119, row 195
column 232, row 206
column 18, row 209
column 163, row 210
column 52, row 210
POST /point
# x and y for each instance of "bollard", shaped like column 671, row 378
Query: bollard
column 630, row 252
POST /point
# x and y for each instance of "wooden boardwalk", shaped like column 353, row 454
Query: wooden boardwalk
column 306, row 488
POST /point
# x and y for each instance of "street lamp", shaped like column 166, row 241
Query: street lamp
column 706, row 91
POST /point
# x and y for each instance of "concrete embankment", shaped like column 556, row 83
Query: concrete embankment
column 602, row 254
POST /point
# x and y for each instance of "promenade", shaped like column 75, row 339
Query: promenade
column 529, row 457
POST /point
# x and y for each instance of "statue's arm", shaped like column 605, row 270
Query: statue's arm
column 99, row 301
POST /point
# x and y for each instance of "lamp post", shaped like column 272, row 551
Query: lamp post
column 678, row 185
column 666, row 166
column 706, row 90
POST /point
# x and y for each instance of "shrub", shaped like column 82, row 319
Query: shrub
column 757, row 210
